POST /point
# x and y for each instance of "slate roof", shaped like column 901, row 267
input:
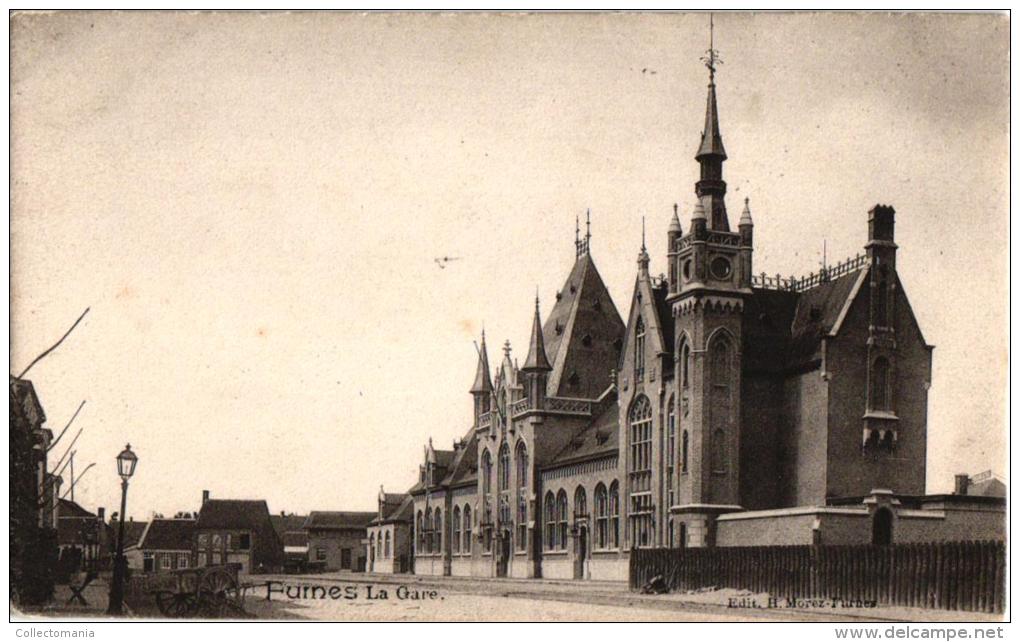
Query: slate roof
column 583, row 334
column 67, row 508
column 338, row 520
column 399, row 513
column 233, row 513
column 597, row 439
column 168, row 535
column 464, row 467
column 287, row 523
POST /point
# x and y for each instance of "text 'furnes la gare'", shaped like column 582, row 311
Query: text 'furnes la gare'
column 289, row 591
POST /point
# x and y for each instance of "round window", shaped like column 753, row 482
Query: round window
column 721, row 268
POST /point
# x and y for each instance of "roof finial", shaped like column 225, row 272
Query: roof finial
column 711, row 59
column 536, row 296
column 577, row 236
column 642, row 233
column 587, row 234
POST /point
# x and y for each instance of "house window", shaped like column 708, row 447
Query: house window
column 386, row 547
column 166, row 561
column 439, row 531
column 467, row 529
column 522, row 523
column 230, row 542
column 550, row 521
column 320, row 554
column 720, row 408
column 428, row 530
column 685, row 365
column 601, row 517
column 561, row 513
column 203, row 540
column 504, row 467
column 639, row 350
column 244, row 541
column 684, row 443
column 880, row 384
column 614, row 515
column 148, row 562
column 640, row 473
column 345, row 558
column 183, row 560
column 486, row 473
column 456, row 529
column 670, row 450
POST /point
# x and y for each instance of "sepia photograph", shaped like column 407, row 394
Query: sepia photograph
column 509, row 316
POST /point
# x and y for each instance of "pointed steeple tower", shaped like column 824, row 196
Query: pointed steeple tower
column 536, row 367
column 537, row 360
column 482, row 388
column 712, row 188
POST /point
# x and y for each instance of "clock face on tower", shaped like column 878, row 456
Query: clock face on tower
column 721, row 268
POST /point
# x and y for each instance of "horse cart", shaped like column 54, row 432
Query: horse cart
column 205, row 592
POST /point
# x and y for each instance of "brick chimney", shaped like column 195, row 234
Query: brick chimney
column 205, row 497
column 101, row 514
column 962, row 481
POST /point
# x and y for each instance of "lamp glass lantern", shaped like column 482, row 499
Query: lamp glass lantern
column 126, row 462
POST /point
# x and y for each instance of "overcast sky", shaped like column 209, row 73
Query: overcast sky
column 252, row 206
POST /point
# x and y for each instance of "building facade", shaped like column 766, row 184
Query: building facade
column 389, row 535
column 337, row 540
column 237, row 531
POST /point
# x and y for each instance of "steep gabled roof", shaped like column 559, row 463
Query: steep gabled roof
column 234, row 513
column 287, row 523
column 583, row 334
column 168, row 535
column 338, row 520
column 67, row 508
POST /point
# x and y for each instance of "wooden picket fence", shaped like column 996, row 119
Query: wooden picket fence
column 960, row 576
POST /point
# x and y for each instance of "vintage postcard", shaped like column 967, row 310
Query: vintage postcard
column 507, row 316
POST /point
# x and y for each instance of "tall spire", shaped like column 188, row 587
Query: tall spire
column 711, row 154
column 483, row 382
column 537, row 360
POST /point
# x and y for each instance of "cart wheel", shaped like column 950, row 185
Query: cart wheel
column 216, row 590
column 176, row 605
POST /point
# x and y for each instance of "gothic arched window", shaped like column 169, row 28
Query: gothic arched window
column 522, row 464
column 428, row 530
column 685, row 365
column 386, row 548
column 522, row 522
column 639, row 350
column 486, row 473
column 721, row 376
column 550, row 521
column 640, row 472
column 504, row 467
column 601, row 517
column 455, row 530
column 580, row 503
column 880, row 397
column 684, row 445
column 439, row 531
column 670, row 449
column 614, row 515
column 419, row 533
column 561, row 513
column 467, row 528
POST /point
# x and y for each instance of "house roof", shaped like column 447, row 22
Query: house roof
column 338, row 520
column 583, row 334
column 23, row 392
column 233, row 513
column 132, row 533
column 400, row 513
column 78, row 531
column 295, row 538
column 598, row 439
column 287, row 523
column 67, row 508
column 168, row 535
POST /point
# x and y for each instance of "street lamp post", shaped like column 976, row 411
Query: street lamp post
column 126, row 462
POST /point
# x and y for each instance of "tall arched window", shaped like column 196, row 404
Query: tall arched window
column 455, row 530
column 685, row 365
column 580, row 503
column 880, row 397
column 378, row 546
column 639, row 350
column 684, row 444
column 614, row 515
column 386, row 548
column 550, row 521
column 882, row 303
column 683, row 535
column 504, row 467
column 371, row 543
column 671, row 453
column 561, row 513
column 467, row 529
column 640, row 472
column 439, row 531
column 601, row 517
column 486, row 473
column 522, row 523
column 721, row 366
column 419, row 534
column 428, row 530
column 522, row 464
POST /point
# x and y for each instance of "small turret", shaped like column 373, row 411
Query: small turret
column 482, row 388
column 675, row 231
column 746, row 229
column 536, row 367
column 698, row 221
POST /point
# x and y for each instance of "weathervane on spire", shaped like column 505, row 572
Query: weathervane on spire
column 711, row 57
